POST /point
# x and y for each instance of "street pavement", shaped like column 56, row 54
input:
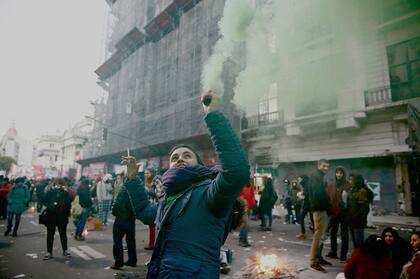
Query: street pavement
column 21, row 257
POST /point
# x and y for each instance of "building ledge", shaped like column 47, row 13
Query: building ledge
column 397, row 21
column 168, row 19
column 125, row 47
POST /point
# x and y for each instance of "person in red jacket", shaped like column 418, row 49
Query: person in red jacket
column 369, row 261
column 336, row 189
column 412, row 269
column 248, row 195
column 3, row 198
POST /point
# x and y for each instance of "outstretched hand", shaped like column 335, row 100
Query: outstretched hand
column 210, row 101
column 132, row 166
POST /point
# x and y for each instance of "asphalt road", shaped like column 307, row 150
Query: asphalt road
column 21, row 257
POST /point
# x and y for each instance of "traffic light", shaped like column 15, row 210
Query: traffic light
column 104, row 134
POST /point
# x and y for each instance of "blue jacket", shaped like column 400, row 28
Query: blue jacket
column 191, row 231
column 18, row 198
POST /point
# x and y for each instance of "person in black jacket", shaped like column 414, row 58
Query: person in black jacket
column 85, row 201
column 398, row 250
column 57, row 199
column 267, row 201
column 320, row 205
column 306, row 208
column 124, row 225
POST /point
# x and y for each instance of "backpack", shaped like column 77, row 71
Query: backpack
column 58, row 200
column 76, row 210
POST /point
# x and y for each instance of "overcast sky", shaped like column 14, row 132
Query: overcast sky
column 49, row 50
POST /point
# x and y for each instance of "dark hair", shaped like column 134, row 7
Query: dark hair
column 199, row 161
column 20, row 179
column 321, row 161
column 375, row 247
column 359, row 181
column 305, row 180
column 416, row 233
column 85, row 182
column 59, row 181
column 390, row 230
column 268, row 185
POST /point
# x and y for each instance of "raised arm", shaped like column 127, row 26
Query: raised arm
column 144, row 210
column 234, row 162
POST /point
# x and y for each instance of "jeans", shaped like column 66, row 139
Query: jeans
column 104, row 207
column 82, row 222
column 302, row 219
column 265, row 216
column 120, row 229
column 357, row 236
column 243, row 234
column 62, row 228
column 321, row 226
column 335, row 224
column 10, row 216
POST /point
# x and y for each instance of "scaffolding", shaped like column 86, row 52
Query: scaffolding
column 154, row 72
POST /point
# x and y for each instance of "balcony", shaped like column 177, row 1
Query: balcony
column 265, row 119
column 378, row 96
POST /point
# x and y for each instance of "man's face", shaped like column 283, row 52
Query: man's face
column 182, row 157
column 324, row 167
column 339, row 174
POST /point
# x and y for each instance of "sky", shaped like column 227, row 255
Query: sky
column 49, row 50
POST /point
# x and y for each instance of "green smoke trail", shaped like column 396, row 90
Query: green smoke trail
column 237, row 16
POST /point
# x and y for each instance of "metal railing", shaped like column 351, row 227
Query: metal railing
column 378, row 96
column 263, row 119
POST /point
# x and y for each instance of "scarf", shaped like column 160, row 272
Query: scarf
column 177, row 180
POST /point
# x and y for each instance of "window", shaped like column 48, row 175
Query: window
column 51, row 145
column 404, row 69
column 268, row 106
column 392, row 9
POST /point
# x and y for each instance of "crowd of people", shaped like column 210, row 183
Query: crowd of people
column 213, row 201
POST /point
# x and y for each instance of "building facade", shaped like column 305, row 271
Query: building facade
column 20, row 149
column 344, row 94
column 73, row 141
column 47, row 159
column 153, row 79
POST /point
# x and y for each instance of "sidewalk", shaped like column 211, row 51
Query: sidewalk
column 397, row 221
column 389, row 220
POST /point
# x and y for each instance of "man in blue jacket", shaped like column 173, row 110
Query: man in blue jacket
column 192, row 219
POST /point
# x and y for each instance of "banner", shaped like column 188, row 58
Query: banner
column 375, row 187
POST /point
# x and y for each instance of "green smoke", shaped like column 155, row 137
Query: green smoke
column 237, row 16
column 318, row 53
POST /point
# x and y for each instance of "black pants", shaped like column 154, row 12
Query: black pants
column 336, row 223
column 3, row 208
column 298, row 213
column 10, row 217
column 62, row 228
column 120, row 229
column 302, row 219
